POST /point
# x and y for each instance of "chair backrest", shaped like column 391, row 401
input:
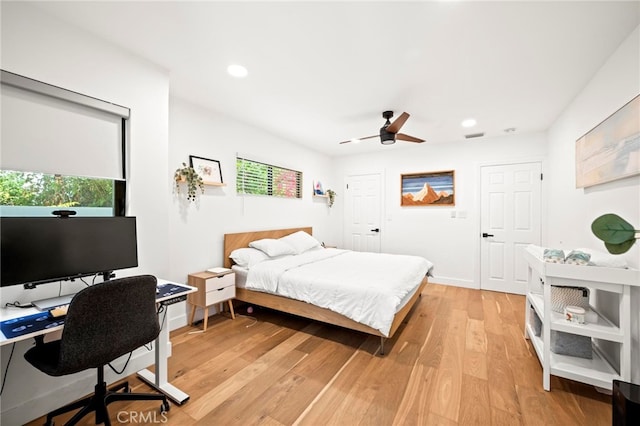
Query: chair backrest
column 107, row 320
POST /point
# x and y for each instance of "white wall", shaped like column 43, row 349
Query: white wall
column 450, row 243
column 572, row 210
column 197, row 228
column 39, row 47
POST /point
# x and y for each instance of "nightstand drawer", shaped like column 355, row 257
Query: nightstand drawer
column 217, row 283
column 220, row 294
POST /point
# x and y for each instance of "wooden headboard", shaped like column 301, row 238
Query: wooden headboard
column 242, row 239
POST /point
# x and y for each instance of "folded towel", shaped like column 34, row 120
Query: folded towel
column 553, row 256
column 577, row 257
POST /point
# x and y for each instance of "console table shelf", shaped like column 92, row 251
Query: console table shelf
column 598, row 371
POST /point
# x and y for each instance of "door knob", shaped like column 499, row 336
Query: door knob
column 375, row 230
column 485, row 235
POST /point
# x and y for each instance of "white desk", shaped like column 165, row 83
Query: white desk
column 158, row 381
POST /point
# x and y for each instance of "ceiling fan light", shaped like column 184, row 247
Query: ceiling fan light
column 387, row 141
column 469, row 122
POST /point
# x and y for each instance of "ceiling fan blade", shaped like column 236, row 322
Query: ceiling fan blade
column 407, row 138
column 399, row 122
column 360, row 139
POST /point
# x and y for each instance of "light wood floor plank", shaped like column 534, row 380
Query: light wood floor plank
column 503, row 394
column 448, row 385
column 414, row 407
column 475, row 408
column 459, row 358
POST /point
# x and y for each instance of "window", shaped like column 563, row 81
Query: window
column 257, row 178
column 39, row 194
column 69, row 149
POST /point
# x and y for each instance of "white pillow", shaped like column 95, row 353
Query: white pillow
column 272, row 247
column 300, row 241
column 599, row 258
column 247, row 257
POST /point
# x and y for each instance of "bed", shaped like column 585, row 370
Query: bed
column 304, row 309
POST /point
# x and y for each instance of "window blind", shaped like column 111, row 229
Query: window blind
column 253, row 177
column 48, row 129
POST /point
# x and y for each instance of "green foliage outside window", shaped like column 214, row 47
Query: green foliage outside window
column 38, row 189
column 252, row 177
column 257, row 178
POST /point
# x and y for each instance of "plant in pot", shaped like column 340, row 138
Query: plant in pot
column 187, row 174
column 332, row 196
column 618, row 234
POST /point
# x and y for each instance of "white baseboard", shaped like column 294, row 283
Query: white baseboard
column 455, row 282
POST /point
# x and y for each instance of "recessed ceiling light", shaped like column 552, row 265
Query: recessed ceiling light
column 469, row 122
column 237, row 71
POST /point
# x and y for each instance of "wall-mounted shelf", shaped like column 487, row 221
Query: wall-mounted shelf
column 215, row 184
column 320, row 196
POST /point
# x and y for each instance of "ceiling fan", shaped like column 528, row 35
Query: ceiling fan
column 389, row 132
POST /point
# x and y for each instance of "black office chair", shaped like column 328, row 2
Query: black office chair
column 103, row 322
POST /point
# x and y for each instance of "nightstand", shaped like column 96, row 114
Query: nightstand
column 212, row 288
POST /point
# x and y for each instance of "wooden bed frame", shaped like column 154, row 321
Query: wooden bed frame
column 296, row 307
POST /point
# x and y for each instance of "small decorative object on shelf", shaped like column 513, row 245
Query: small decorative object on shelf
column 332, row 196
column 187, row 174
column 317, row 189
column 618, row 234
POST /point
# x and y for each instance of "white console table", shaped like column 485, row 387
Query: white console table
column 600, row 371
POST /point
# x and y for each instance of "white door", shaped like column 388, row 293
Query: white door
column 510, row 220
column 363, row 210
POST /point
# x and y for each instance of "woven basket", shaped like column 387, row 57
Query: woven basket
column 565, row 296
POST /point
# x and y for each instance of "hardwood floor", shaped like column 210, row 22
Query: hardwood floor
column 460, row 358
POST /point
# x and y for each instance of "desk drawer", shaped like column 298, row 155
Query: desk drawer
column 220, row 295
column 217, row 283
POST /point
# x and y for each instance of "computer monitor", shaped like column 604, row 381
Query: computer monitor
column 36, row 250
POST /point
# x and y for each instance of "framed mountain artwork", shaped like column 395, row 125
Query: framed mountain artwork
column 428, row 189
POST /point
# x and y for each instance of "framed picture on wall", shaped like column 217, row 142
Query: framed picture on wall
column 318, row 189
column 209, row 170
column 611, row 150
column 428, row 189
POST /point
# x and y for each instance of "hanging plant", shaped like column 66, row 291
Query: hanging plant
column 187, row 174
column 618, row 234
column 332, row 196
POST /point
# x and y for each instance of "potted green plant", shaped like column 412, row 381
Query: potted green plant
column 618, row 234
column 332, row 196
column 187, row 174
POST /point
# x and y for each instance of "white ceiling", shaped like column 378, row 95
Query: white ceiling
column 323, row 72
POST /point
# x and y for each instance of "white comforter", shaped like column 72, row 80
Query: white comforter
column 367, row 287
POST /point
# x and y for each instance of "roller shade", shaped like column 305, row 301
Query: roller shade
column 51, row 130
